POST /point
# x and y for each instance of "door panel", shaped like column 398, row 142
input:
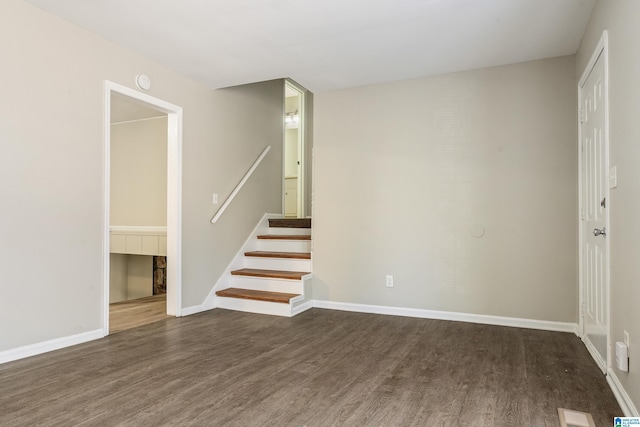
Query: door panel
column 595, row 211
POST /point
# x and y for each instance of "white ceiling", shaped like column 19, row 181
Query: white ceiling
column 331, row 44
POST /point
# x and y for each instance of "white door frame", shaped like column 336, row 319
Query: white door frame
column 602, row 49
column 174, row 196
column 301, row 202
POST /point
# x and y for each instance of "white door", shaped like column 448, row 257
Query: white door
column 594, row 207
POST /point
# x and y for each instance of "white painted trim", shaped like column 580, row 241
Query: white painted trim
column 301, row 183
column 137, row 229
column 239, row 186
column 174, row 213
column 138, row 120
column 47, row 346
column 302, row 307
column 448, row 315
column 174, row 196
column 602, row 48
column 625, row 402
column 194, row 309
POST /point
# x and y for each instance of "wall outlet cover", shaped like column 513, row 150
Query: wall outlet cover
column 389, row 281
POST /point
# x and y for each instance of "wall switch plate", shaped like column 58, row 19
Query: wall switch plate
column 626, row 339
column 215, row 198
column 389, row 281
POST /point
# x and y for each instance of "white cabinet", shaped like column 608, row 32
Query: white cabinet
column 138, row 240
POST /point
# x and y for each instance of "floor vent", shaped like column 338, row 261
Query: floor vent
column 570, row 418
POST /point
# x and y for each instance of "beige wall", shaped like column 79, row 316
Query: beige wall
column 51, row 174
column 404, row 172
column 620, row 19
column 131, row 277
column 118, row 277
column 139, row 173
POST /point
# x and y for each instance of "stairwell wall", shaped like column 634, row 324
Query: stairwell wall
column 462, row 186
column 245, row 119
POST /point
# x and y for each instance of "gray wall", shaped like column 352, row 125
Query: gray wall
column 620, row 18
column 406, row 171
column 51, row 171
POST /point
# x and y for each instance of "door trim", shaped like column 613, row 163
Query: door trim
column 174, row 196
column 301, row 202
column 602, row 49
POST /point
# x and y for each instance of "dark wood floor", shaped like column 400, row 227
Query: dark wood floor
column 320, row 368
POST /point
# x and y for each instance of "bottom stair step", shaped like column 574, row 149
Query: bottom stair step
column 256, row 295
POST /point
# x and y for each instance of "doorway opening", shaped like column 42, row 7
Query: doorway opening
column 594, row 206
column 142, row 205
column 294, row 151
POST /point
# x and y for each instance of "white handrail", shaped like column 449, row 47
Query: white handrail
column 236, row 190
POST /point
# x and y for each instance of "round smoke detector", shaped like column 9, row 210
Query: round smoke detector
column 143, row 81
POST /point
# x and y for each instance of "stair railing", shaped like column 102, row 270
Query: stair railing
column 239, row 186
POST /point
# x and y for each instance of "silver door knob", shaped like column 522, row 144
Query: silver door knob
column 598, row 232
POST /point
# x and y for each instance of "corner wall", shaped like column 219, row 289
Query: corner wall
column 51, row 174
column 620, row 19
column 462, row 186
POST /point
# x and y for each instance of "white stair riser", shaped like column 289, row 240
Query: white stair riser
column 251, row 306
column 290, row 231
column 284, row 245
column 277, row 263
column 266, row 284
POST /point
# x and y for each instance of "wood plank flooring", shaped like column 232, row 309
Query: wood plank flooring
column 320, row 368
column 137, row 312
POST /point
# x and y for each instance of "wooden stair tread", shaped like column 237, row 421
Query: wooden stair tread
column 290, row 222
column 271, row 274
column 288, row 255
column 284, row 237
column 251, row 294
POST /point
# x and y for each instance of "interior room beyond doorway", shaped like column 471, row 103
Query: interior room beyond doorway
column 138, row 214
column 294, row 152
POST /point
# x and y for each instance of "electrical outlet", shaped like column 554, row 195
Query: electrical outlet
column 626, row 339
column 215, row 198
column 389, row 281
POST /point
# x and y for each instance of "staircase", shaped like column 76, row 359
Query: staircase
column 275, row 274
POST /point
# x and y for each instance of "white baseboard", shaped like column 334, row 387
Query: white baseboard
column 188, row 311
column 448, row 315
column 194, row 309
column 625, row 402
column 47, row 346
column 302, row 307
